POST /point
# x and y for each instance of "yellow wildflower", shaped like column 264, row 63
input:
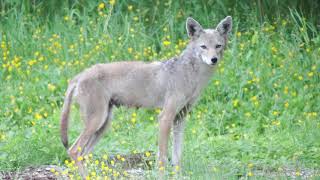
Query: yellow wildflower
column 285, row 91
column 80, row 158
column 166, row 43
column 52, row 170
column 238, row 34
column 130, row 50
column 286, row 104
column 177, row 168
column 112, row 2
column 101, row 6
column 105, row 157
column 38, row 116
column 274, row 49
column 133, row 120
column 254, row 98
column 148, row 154
column 51, row 87
column 276, row 122
column 235, row 103
column 217, row 82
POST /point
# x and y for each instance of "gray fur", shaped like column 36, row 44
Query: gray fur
column 173, row 85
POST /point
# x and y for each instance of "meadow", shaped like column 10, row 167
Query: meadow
column 258, row 118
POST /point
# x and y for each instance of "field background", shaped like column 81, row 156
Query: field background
column 259, row 116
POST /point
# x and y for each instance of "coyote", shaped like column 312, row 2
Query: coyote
column 173, row 85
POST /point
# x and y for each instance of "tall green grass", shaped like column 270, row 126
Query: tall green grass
column 260, row 113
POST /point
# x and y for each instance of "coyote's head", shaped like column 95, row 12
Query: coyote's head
column 208, row 44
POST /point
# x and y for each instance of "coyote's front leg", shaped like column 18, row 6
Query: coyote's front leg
column 178, row 129
column 166, row 119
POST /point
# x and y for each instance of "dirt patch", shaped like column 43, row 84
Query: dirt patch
column 135, row 165
column 42, row 172
column 288, row 172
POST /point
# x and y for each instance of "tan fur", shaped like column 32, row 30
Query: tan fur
column 173, row 85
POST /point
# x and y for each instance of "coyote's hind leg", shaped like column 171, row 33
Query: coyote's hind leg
column 94, row 107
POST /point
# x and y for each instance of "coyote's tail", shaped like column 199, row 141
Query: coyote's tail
column 65, row 114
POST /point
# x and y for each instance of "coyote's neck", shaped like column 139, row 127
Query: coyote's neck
column 188, row 59
column 190, row 56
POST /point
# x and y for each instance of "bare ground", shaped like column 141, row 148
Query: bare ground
column 137, row 164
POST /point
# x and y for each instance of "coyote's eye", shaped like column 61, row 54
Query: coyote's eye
column 203, row 47
column 218, row 46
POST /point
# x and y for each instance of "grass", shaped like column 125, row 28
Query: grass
column 260, row 112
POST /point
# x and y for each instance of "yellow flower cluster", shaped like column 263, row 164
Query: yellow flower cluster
column 99, row 169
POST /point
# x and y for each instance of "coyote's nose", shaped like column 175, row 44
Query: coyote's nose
column 214, row 60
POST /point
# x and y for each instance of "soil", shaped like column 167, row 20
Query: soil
column 42, row 172
column 137, row 164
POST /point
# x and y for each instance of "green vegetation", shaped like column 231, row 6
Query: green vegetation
column 258, row 116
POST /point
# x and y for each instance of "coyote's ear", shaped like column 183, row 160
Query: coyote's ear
column 194, row 29
column 225, row 26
